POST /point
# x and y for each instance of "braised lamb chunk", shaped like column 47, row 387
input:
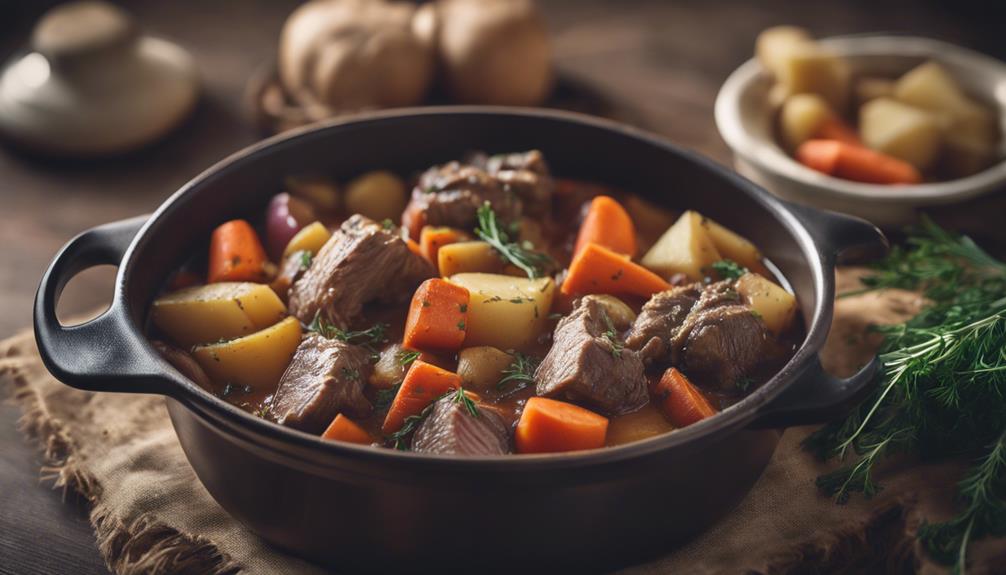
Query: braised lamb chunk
column 451, row 194
column 660, row 319
column 588, row 363
column 326, row 377
column 724, row 345
column 451, row 429
column 292, row 268
column 361, row 262
column 527, row 175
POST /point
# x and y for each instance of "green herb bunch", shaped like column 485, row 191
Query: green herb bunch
column 533, row 263
column 942, row 389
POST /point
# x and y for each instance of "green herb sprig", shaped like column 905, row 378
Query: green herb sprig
column 612, row 336
column 728, row 269
column 942, row 392
column 520, row 372
column 531, row 262
column 461, row 397
column 371, row 336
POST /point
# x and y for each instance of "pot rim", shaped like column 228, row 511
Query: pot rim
column 255, row 428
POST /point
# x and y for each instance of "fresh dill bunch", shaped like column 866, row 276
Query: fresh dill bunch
column 942, row 389
column 533, row 263
column 520, row 372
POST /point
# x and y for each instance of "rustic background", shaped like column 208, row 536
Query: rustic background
column 663, row 60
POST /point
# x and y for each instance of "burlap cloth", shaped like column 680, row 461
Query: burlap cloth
column 151, row 514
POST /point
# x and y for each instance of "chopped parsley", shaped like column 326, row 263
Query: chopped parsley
column 728, row 269
column 305, row 259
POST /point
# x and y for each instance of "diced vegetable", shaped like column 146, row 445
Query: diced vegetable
column 310, row 239
column 343, row 428
column 390, row 367
column 810, row 69
column 549, row 426
column 204, row 314
column 651, row 220
column 438, row 316
column 257, row 360
column 776, row 306
column 620, row 314
column 481, row 367
column 285, row 216
column 236, row 254
column 378, row 195
column 930, row 87
column 607, row 224
column 646, row 422
column 775, row 45
column 684, row 248
column 597, row 269
column 321, row 192
column 422, row 384
column 505, row 311
column 900, row 130
column 432, row 238
column 733, row 246
column 856, row 163
column 869, row 88
column 801, row 117
column 682, row 402
column 466, row 257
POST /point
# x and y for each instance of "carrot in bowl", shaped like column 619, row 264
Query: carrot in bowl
column 681, row 402
column 609, row 225
column 236, row 254
column 834, row 128
column 596, row 269
column 855, row 163
column 548, row 426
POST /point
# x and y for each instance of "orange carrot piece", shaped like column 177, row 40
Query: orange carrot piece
column 682, row 402
column 345, row 429
column 855, row 163
column 236, row 254
column 422, row 384
column 834, row 128
column 438, row 316
column 596, row 269
column 432, row 238
column 607, row 224
column 413, row 220
column 413, row 246
column 548, row 426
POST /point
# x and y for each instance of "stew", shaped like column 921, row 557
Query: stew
column 505, row 311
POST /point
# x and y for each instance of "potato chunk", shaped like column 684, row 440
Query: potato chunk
column 466, row 257
column 208, row 313
column 774, row 45
column 684, row 248
column 776, row 306
column 481, row 367
column 900, row 130
column 505, row 312
column 930, row 87
column 734, row 246
column 310, row 239
column 257, row 360
column 379, row 195
column 801, row 117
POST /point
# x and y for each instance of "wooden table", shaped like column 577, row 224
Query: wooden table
column 664, row 59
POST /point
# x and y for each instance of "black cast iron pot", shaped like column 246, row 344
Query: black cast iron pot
column 374, row 509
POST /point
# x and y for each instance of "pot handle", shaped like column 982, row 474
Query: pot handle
column 841, row 237
column 105, row 353
column 816, row 397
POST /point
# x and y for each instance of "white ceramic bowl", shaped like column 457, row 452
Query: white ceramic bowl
column 745, row 120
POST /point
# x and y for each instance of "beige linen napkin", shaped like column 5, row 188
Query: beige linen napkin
column 152, row 515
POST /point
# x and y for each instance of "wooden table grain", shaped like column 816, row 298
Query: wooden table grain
column 663, row 59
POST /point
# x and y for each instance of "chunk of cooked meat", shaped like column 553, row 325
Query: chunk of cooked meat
column 527, row 175
column 451, row 194
column 451, row 429
column 290, row 271
column 660, row 319
column 325, row 378
column 724, row 345
column 587, row 363
column 183, row 362
column 360, row 263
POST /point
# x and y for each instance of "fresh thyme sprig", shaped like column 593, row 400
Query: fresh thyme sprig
column 407, row 356
column 409, row 425
column 942, row 392
column 371, row 336
column 531, row 262
column 461, row 397
column 612, row 336
column 520, row 372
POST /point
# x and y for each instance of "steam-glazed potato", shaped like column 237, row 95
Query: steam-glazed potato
column 379, row 195
column 900, row 130
column 684, row 248
column 481, row 367
column 801, row 117
column 776, row 306
column 774, row 45
column 467, row 257
column 216, row 311
column 801, row 66
column 257, row 360
column 505, row 312
column 734, row 246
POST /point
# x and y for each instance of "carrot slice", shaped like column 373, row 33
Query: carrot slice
column 432, row 238
column 681, row 402
column 548, row 426
column 236, row 254
column 438, row 316
column 343, row 428
column 607, row 224
column 596, row 269
column 855, row 163
column 422, row 384
column 834, row 128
